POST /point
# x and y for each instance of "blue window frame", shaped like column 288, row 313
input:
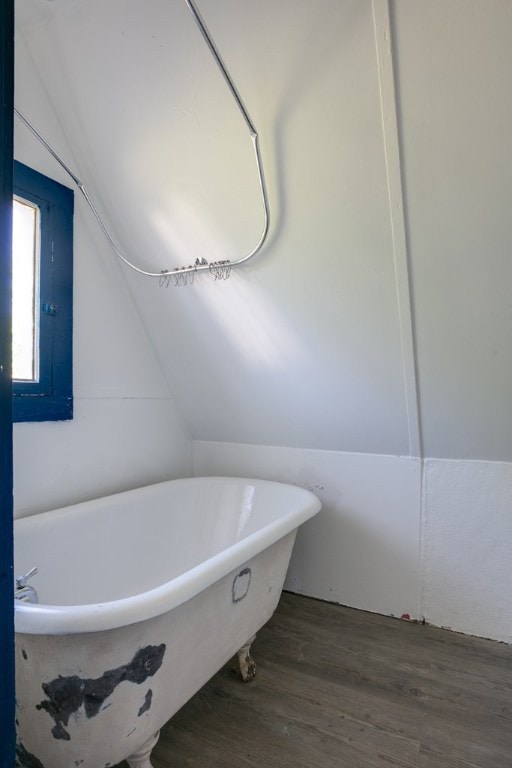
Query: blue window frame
column 48, row 395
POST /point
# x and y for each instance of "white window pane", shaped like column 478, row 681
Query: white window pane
column 24, row 292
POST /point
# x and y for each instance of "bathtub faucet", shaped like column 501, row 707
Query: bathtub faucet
column 23, row 591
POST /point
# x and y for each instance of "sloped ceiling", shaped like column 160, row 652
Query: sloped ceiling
column 304, row 346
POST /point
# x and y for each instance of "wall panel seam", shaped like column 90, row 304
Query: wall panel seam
column 391, row 142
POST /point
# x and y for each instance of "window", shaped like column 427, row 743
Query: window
column 42, row 297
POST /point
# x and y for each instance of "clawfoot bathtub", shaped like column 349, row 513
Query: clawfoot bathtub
column 143, row 596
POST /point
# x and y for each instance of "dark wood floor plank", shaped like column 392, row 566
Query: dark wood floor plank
column 338, row 687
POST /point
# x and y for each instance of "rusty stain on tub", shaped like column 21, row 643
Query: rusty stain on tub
column 67, row 694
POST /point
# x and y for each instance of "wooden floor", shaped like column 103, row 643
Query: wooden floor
column 338, row 688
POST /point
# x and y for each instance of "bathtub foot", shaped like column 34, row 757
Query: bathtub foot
column 141, row 758
column 246, row 662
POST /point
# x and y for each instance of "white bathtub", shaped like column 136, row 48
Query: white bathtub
column 143, row 596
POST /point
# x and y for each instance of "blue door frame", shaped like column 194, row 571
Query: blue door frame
column 7, row 706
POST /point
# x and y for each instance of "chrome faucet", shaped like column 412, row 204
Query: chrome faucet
column 24, row 591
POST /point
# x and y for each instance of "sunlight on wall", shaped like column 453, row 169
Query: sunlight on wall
column 182, row 229
column 253, row 324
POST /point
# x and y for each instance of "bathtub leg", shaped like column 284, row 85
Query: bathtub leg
column 247, row 664
column 141, row 758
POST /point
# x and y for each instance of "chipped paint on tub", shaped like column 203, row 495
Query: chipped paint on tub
column 241, row 585
column 25, row 758
column 66, row 695
column 147, row 703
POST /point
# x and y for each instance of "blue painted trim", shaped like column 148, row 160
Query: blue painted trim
column 50, row 399
column 7, row 711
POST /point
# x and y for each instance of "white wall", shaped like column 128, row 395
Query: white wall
column 371, row 338
column 315, row 320
column 453, row 62
column 126, row 430
column 362, row 549
column 395, row 535
column 466, row 538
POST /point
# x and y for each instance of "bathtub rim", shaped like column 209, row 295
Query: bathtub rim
column 42, row 619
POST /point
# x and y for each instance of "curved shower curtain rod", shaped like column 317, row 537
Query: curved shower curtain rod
column 180, row 274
